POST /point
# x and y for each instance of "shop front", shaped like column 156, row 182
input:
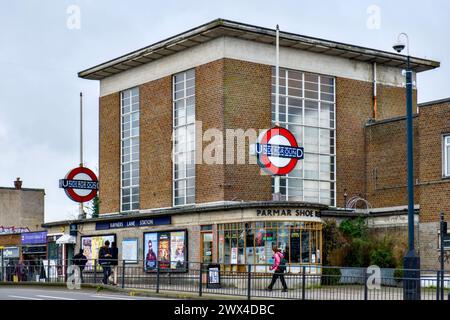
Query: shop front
column 234, row 236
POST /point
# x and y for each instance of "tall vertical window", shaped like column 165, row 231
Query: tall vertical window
column 130, row 149
column 184, row 138
column 446, row 156
column 307, row 109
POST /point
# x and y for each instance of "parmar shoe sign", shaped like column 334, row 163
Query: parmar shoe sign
column 80, row 184
column 312, row 213
column 277, row 151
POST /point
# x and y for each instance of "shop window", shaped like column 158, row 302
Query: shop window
column 207, row 246
column 251, row 243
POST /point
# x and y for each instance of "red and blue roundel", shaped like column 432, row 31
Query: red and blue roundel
column 278, row 151
column 80, row 184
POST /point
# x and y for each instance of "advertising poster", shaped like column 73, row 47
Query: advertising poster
column 234, row 255
column 130, row 250
column 92, row 244
column 177, row 250
column 164, row 250
column 150, row 250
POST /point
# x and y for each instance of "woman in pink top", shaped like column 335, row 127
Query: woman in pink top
column 278, row 272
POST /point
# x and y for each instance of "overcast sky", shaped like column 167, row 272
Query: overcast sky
column 40, row 57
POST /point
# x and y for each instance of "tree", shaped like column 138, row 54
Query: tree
column 95, row 207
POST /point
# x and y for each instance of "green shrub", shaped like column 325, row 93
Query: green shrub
column 382, row 257
column 354, row 228
column 357, row 253
column 330, row 276
column 398, row 274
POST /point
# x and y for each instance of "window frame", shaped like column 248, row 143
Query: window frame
column 445, row 155
column 130, row 138
column 285, row 94
column 174, row 134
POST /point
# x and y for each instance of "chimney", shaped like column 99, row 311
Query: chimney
column 18, row 184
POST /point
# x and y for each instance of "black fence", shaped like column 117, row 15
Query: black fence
column 306, row 282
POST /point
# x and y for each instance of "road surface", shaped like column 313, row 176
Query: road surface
column 26, row 293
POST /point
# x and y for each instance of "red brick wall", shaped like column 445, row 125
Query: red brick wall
column 434, row 122
column 354, row 107
column 156, row 143
column 109, row 153
column 386, row 163
column 247, row 106
column 209, row 106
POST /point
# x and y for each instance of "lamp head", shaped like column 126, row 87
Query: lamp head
column 399, row 46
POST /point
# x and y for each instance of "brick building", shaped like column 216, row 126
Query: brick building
column 21, row 213
column 343, row 103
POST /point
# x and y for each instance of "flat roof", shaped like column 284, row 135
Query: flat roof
column 193, row 209
column 22, row 189
column 222, row 27
column 434, row 103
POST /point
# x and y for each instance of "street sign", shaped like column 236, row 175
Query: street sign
column 80, row 184
column 446, row 242
column 278, row 152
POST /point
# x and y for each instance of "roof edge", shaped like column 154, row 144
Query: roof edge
column 421, row 64
column 434, row 103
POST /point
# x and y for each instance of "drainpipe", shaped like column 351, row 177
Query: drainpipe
column 375, row 106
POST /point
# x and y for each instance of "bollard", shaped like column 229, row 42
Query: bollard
column 365, row 285
column 95, row 271
column 48, row 270
column 123, row 274
column 303, row 282
column 249, row 282
column 200, row 282
column 157, row 276
column 438, row 282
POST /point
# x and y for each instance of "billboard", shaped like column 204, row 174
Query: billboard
column 167, row 247
column 177, row 248
column 150, row 250
column 92, row 244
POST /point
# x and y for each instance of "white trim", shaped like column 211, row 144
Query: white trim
column 229, row 47
column 445, row 155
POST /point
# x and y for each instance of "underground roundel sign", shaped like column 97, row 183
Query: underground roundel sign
column 278, row 152
column 80, row 184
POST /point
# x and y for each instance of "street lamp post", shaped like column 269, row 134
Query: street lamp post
column 411, row 262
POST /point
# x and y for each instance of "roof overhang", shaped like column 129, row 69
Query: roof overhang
column 220, row 27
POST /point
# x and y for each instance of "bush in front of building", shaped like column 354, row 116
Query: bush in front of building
column 352, row 245
column 330, row 276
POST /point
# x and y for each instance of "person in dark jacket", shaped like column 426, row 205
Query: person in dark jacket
column 80, row 260
column 114, row 261
column 104, row 259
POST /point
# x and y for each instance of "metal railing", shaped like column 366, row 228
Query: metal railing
column 307, row 282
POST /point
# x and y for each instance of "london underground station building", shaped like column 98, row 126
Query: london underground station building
column 345, row 105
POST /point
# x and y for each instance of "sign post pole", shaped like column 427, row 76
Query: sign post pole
column 442, row 235
column 81, row 215
column 276, row 195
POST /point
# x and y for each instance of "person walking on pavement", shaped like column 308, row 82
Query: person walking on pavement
column 279, row 267
column 80, row 260
column 104, row 259
column 114, row 261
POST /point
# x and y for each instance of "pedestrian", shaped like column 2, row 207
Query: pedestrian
column 114, row 261
column 21, row 271
column 104, row 259
column 279, row 267
column 80, row 260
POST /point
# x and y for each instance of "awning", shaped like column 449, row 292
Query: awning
column 65, row 239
